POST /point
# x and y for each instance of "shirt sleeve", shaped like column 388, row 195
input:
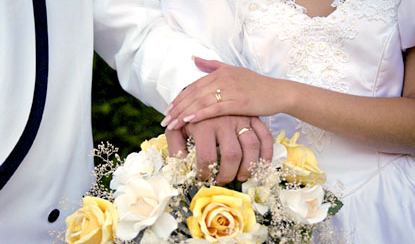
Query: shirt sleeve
column 153, row 61
column 406, row 21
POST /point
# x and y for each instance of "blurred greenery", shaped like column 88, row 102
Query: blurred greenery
column 118, row 117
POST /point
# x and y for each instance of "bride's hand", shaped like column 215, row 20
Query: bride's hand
column 227, row 90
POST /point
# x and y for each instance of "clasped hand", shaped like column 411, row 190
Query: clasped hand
column 202, row 111
column 227, row 90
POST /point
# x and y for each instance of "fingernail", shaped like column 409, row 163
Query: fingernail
column 193, row 57
column 189, row 118
column 168, row 109
column 172, row 124
column 165, row 121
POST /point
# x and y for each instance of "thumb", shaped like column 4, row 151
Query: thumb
column 207, row 66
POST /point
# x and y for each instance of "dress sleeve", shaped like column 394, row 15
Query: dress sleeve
column 153, row 61
column 406, row 21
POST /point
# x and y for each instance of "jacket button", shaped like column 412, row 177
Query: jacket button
column 53, row 215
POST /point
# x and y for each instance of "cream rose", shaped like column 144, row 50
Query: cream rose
column 142, row 203
column 306, row 204
column 259, row 195
column 219, row 212
column 94, row 223
column 142, row 164
column 159, row 143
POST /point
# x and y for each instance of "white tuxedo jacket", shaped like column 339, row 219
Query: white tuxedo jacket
column 153, row 63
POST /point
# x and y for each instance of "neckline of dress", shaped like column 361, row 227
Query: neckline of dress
column 337, row 4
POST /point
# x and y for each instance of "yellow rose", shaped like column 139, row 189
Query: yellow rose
column 219, row 212
column 94, row 223
column 301, row 161
column 159, row 143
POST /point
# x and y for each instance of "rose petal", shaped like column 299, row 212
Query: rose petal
column 126, row 231
column 164, row 226
column 279, row 155
column 194, row 227
column 261, row 208
column 230, row 201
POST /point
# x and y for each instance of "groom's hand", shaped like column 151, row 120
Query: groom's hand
column 237, row 151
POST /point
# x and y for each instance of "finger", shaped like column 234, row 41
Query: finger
column 265, row 138
column 208, row 66
column 189, row 109
column 176, row 143
column 199, row 98
column 181, row 101
column 206, row 153
column 250, row 152
column 231, row 155
column 194, row 88
column 216, row 109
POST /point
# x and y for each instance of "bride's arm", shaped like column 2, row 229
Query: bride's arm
column 387, row 122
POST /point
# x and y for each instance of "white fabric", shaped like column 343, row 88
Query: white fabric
column 355, row 50
column 406, row 21
column 153, row 62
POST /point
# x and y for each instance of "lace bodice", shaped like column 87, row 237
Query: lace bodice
column 284, row 42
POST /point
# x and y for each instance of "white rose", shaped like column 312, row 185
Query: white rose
column 305, row 204
column 142, row 203
column 258, row 194
column 142, row 164
column 279, row 155
column 150, row 237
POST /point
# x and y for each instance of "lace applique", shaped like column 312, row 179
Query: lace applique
column 337, row 3
column 316, row 56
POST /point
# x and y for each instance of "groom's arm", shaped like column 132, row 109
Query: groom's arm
column 153, row 61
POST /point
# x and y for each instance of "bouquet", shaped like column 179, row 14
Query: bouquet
column 152, row 198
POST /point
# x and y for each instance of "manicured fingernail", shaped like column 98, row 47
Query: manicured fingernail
column 172, row 124
column 189, row 118
column 165, row 121
column 168, row 109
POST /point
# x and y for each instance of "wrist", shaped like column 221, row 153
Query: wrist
column 287, row 98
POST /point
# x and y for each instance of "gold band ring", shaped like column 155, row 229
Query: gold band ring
column 243, row 130
column 218, row 95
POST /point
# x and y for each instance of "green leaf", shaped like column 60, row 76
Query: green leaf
column 335, row 207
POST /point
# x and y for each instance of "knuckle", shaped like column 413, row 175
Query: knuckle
column 217, row 109
column 204, row 102
column 205, row 159
column 253, row 144
column 175, row 112
column 232, row 155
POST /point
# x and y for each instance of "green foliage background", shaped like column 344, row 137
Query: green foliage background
column 118, row 117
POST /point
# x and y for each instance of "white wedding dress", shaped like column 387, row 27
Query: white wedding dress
column 357, row 50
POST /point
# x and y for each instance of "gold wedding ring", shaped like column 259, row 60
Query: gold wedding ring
column 218, row 95
column 243, row 130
